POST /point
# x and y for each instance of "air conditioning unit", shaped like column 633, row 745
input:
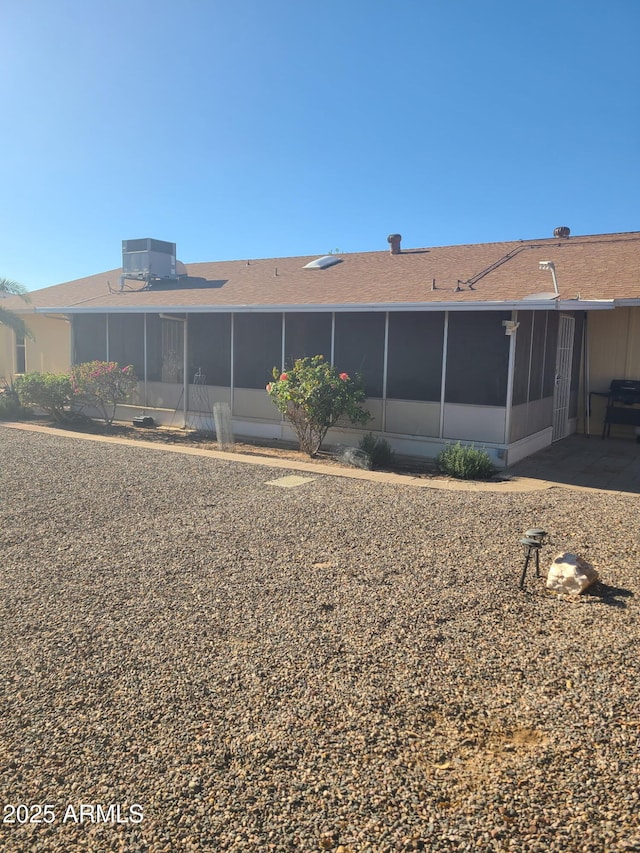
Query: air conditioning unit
column 148, row 259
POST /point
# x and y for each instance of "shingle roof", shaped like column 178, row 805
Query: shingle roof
column 599, row 267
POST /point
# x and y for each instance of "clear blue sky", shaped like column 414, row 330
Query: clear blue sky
column 263, row 128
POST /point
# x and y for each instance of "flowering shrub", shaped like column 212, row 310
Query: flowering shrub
column 313, row 396
column 102, row 384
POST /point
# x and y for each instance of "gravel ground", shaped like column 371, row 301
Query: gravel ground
column 342, row 666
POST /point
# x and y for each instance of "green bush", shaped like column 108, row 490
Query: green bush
column 465, row 462
column 51, row 392
column 10, row 407
column 379, row 451
column 313, row 396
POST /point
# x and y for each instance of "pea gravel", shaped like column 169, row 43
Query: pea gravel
column 343, row 666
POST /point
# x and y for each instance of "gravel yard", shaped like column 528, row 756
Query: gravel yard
column 342, row 665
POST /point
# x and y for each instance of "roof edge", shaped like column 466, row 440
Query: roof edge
column 325, row 308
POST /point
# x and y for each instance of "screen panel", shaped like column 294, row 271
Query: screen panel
column 89, row 338
column 414, row 359
column 523, row 358
column 257, row 348
column 477, row 358
column 307, row 335
column 126, row 341
column 359, row 348
column 209, row 346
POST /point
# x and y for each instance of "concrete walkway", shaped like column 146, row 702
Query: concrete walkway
column 575, row 463
column 609, row 464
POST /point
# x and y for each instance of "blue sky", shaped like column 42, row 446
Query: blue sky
column 264, row 128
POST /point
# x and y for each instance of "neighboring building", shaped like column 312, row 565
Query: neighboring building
column 478, row 343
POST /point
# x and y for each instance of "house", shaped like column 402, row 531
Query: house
column 496, row 343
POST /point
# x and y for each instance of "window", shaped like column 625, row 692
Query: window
column 21, row 354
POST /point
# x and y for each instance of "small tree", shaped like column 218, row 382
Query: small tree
column 51, row 392
column 102, row 384
column 10, row 318
column 313, row 396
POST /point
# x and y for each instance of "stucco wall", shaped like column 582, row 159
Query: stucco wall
column 48, row 353
column 614, row 353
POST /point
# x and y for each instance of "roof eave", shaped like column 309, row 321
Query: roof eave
column 507, row 305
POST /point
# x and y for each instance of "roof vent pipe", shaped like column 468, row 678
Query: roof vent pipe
column 394, row 243
column 561, row 231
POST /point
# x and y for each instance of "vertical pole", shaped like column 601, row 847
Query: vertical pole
column 145, row 402
column 510, row 376
column 72, row 343
column 185, row 365
column 283, row 351
column 333, row 336
column 107, row 347
column 384, row 372
column 231, row 378
column 443, row 378
column 587, row 381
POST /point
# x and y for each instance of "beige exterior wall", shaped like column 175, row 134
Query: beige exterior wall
column 614, row 353
column 48, row 353
column 614, row 346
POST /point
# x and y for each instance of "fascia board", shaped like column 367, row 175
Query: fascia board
column 376, row 307
column 586, row 304
column 508, row 305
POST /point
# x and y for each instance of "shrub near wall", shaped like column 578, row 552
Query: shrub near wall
column 102, row 385
column 10, row 407
column 313, row 396
column 51, row 392
column 465, row 462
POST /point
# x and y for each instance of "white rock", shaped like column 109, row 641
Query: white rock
column 570, row 574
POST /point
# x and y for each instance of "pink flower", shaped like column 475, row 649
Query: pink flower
column 344, row 376
column 283, row 377
column 269, row 388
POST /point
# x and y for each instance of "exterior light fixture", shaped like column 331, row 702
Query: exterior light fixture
column 549, row 265
column 510, row 326
column 533, row 541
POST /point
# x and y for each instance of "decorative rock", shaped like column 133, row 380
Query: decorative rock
column 570, row 574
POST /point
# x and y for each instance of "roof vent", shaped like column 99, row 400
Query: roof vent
column 561, row 231
column 394, row 243
column 323, row 262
